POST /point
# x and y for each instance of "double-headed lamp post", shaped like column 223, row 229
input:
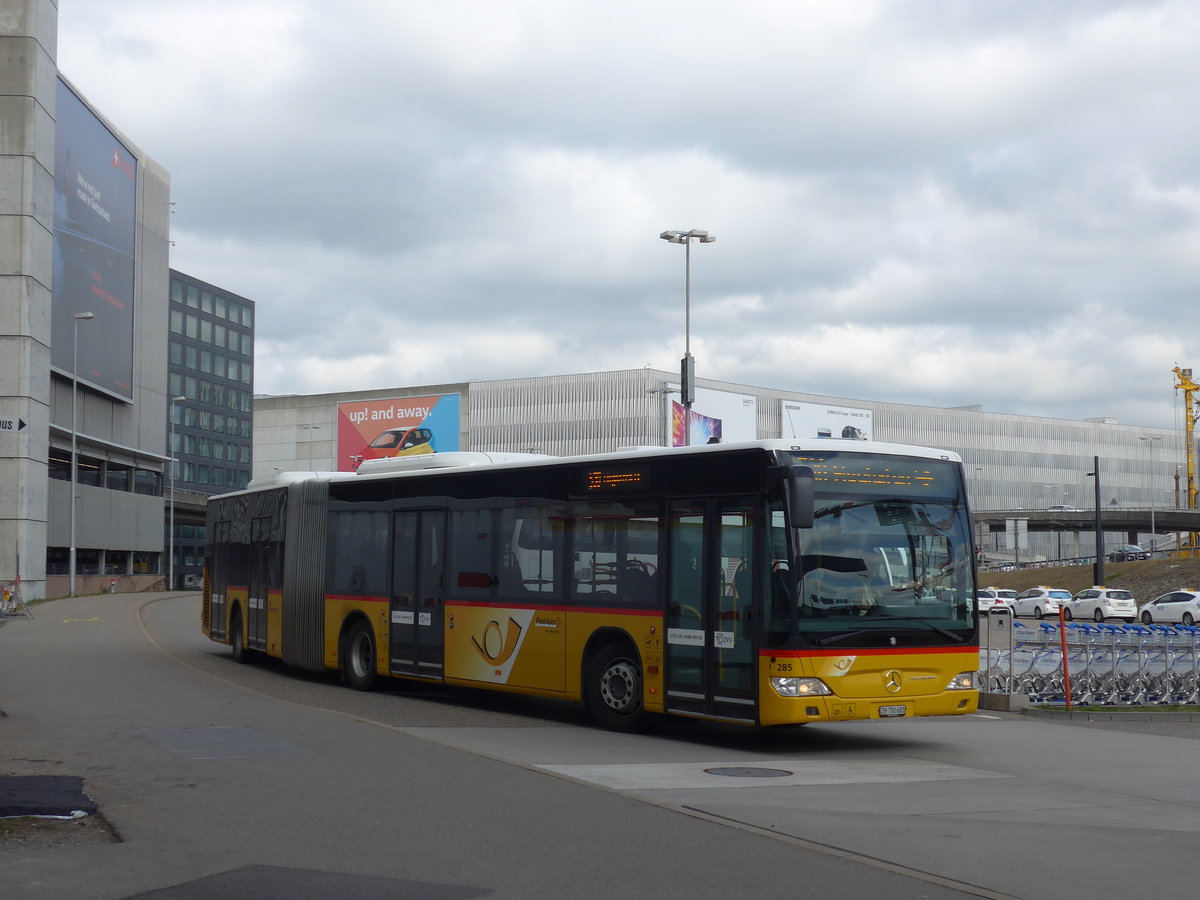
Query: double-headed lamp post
column 687, row 367
column 79, row 317
column 171, row 514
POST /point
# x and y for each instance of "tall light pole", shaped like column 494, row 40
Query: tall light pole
column 687, row 367
column 171, row 514
column 78, row 317
column 1150, row 439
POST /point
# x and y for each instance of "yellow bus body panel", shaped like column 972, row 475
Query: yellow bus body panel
column 275, row 623
column 527, row 649
column 338, row 610
column 867, row 684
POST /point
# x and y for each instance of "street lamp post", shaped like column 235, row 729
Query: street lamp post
column 171, row 514
column 687, row 367
column 78, row 317
column 1150, row 439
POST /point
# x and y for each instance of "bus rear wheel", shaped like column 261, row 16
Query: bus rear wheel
column 237, row 644
column 358, row 657
column 614, row 689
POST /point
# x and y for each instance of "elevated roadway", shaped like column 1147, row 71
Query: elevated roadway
column 1114, row 519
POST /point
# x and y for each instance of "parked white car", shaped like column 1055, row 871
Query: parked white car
column 985, row 599
column 1004, row 595
column 1175, row 608
column 1101, row 603
column 1040, row 602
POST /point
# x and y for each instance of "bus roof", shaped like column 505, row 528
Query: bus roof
column 458, row 459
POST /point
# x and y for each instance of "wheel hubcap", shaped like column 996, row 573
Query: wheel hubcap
column 618, row 686
column 361, row 656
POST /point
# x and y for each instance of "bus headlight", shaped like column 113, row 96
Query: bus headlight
column 800, row 687
column 963, row 681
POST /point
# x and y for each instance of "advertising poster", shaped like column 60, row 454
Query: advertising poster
column 400, row 426
column 95, row 194
column 717, row 417
column 801, row 421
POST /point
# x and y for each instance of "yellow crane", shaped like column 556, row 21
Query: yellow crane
column 1189, row 388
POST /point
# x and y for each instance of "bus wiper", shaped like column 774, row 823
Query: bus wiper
column 847, row 635
column 946, row 632
column 843, row 636
column 877, row 501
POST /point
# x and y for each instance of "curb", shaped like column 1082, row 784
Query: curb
column 1093, row 715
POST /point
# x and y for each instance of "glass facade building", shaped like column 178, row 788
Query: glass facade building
column 210, row 409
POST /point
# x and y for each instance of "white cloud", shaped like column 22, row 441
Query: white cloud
column 942, row 203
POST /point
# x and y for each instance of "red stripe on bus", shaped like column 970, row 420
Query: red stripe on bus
column 872, row 651
column 548, row 607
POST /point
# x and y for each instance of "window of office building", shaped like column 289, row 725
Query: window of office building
column 60, row 464
column 146, row 481
column 118, row 477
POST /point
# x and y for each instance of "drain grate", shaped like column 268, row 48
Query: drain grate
column 748, row 772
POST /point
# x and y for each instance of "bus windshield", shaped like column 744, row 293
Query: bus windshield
column 887, row 560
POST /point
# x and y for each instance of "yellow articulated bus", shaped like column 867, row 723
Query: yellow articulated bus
column 763, row 583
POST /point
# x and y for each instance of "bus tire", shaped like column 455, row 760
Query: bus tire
column 237, row 644
column 614, row 689
column 358, row 656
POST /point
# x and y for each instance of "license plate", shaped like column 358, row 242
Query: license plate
column 893, row 710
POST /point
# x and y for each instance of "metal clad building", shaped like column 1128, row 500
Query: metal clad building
column 1012, row 462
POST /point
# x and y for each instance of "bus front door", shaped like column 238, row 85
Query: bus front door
column 710, row 663
column 416, row 644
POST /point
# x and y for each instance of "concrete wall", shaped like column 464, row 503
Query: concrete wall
column 28, row 45
column 30, row 393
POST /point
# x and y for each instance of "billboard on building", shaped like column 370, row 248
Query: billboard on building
column 818, row 420
column 717, row 417
column 398, row 426
column 95, row 222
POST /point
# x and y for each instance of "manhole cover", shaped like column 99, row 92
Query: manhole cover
column 748, row 772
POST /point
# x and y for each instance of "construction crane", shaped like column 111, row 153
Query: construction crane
column 1189, row 388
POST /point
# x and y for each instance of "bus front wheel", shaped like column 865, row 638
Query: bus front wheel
column 615, row 689
column 358, row 657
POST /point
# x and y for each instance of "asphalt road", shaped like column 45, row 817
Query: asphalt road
column 234, row 781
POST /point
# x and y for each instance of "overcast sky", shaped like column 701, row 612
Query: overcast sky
column 937, row 202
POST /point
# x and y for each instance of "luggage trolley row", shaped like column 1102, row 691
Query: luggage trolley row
column 1106, row 664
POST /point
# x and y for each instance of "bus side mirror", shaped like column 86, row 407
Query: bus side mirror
column 800, row 497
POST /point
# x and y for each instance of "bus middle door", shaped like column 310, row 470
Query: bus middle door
column 416, row 644
column 710, row 662
column 260, row 583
